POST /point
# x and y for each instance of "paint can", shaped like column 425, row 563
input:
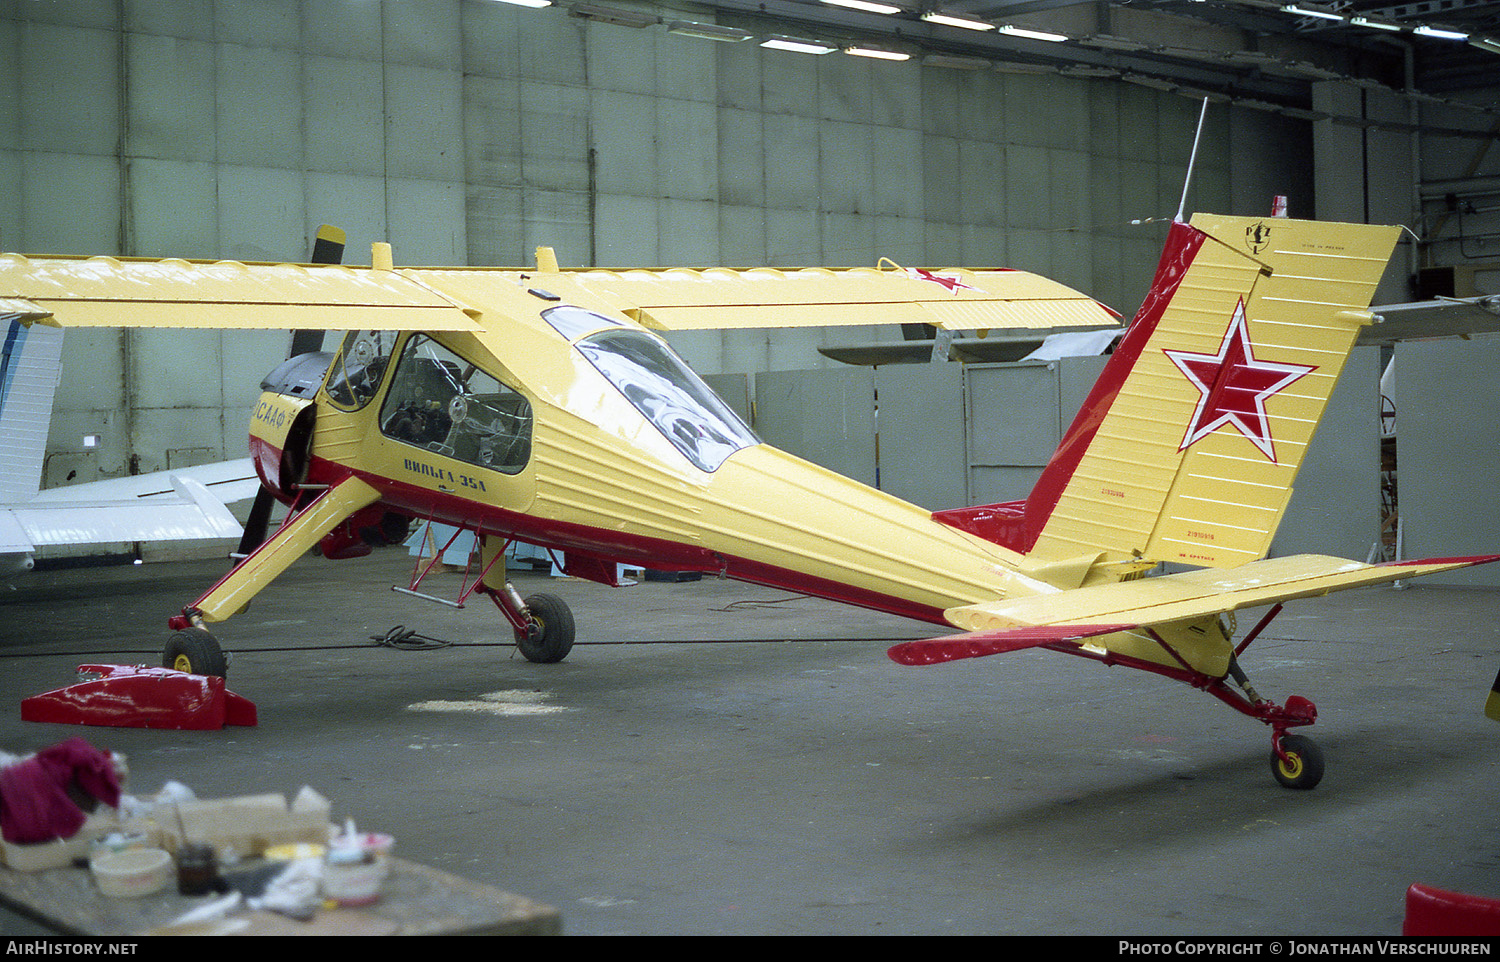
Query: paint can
column 197, row 869
column 352, row 875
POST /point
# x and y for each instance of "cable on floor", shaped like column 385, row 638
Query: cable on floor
column 406, row 639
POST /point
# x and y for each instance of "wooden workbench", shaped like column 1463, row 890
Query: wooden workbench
column 415, row 900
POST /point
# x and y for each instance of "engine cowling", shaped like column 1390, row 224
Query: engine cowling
column 281, row 432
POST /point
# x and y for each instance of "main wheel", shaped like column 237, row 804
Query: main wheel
column 195, row 651
column 552, row 638
column 1303, row 765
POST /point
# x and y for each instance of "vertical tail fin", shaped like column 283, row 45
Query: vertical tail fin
column 1187, row 447
column 30, row 367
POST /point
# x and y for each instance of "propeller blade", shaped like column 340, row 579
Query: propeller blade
column 328, row 248
column 258, row 523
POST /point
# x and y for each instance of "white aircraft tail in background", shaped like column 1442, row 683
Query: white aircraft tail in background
column 164, row 506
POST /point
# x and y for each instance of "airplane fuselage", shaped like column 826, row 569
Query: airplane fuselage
column 602, row 482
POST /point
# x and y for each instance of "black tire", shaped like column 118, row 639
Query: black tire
column 553, row 639
column 195, row 651
column 1303, row 768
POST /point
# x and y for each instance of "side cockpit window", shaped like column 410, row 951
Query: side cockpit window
column 441, row 403
column 358, row 367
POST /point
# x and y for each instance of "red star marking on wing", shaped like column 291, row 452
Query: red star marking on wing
column 1233, row 386
column 953, row 284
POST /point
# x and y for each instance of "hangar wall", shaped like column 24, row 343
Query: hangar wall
column 947, row 435
column 465, row 131
column 1448, row 450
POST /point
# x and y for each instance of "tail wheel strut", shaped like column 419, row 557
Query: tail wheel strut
column 1296, row 761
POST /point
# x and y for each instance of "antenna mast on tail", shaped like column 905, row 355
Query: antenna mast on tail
column 1192, row 159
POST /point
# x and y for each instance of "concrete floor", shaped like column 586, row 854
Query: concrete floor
column 791, row 780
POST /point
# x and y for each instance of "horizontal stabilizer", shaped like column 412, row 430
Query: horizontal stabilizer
column 227, row 481
column 1010, row 625
column 977, row 644
column 177, row 505
column 1196, row 594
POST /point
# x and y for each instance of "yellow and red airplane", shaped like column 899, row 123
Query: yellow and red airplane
column 540, row 405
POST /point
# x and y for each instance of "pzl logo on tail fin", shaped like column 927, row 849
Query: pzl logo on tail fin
column 1233, row 386
column 1257, row 236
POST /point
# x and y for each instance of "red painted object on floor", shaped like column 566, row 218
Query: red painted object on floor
column 1434, row 912
column 122, row 696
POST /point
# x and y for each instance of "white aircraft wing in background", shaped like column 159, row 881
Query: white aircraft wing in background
column 174, row 505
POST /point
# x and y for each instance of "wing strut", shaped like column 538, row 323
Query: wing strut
column 295, row 538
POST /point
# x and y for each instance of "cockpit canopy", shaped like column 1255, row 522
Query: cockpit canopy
column 651, row 376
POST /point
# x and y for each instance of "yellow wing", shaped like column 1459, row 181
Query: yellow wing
column 133, row 292
column 121, row 292
column 960, row 300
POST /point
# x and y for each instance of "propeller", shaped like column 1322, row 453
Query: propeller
column 328, row 248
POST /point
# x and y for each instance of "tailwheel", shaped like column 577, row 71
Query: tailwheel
column 1297, row 762
column 549, row 637
column 196, row 652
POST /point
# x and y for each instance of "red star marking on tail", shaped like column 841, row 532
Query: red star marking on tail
column 1233, row 386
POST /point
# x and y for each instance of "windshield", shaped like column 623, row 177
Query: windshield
column 357, row 369
column 664, row 389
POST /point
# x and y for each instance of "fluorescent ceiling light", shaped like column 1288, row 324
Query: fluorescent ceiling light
column 1440, row 33
column 1485, row 43
column 707, row 31
column 866, row 6
column 1375, row 24
column 1305, row 11
column 1196, row 93
column 1033, row 34
column 1155, row 83
column 876, row 54
column 955, row 62
column 1305, row 69
column 623, row 18
column 1023, row 69
column 1249, row 56
column 1109, row 42
column 538, row 4
column 1087, row 71
column 798, row 46
column 962, row 22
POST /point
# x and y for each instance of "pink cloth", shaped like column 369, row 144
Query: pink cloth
column 34, row 802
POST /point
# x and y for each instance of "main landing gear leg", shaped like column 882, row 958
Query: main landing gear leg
column 191, row 648
column 543, row 623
